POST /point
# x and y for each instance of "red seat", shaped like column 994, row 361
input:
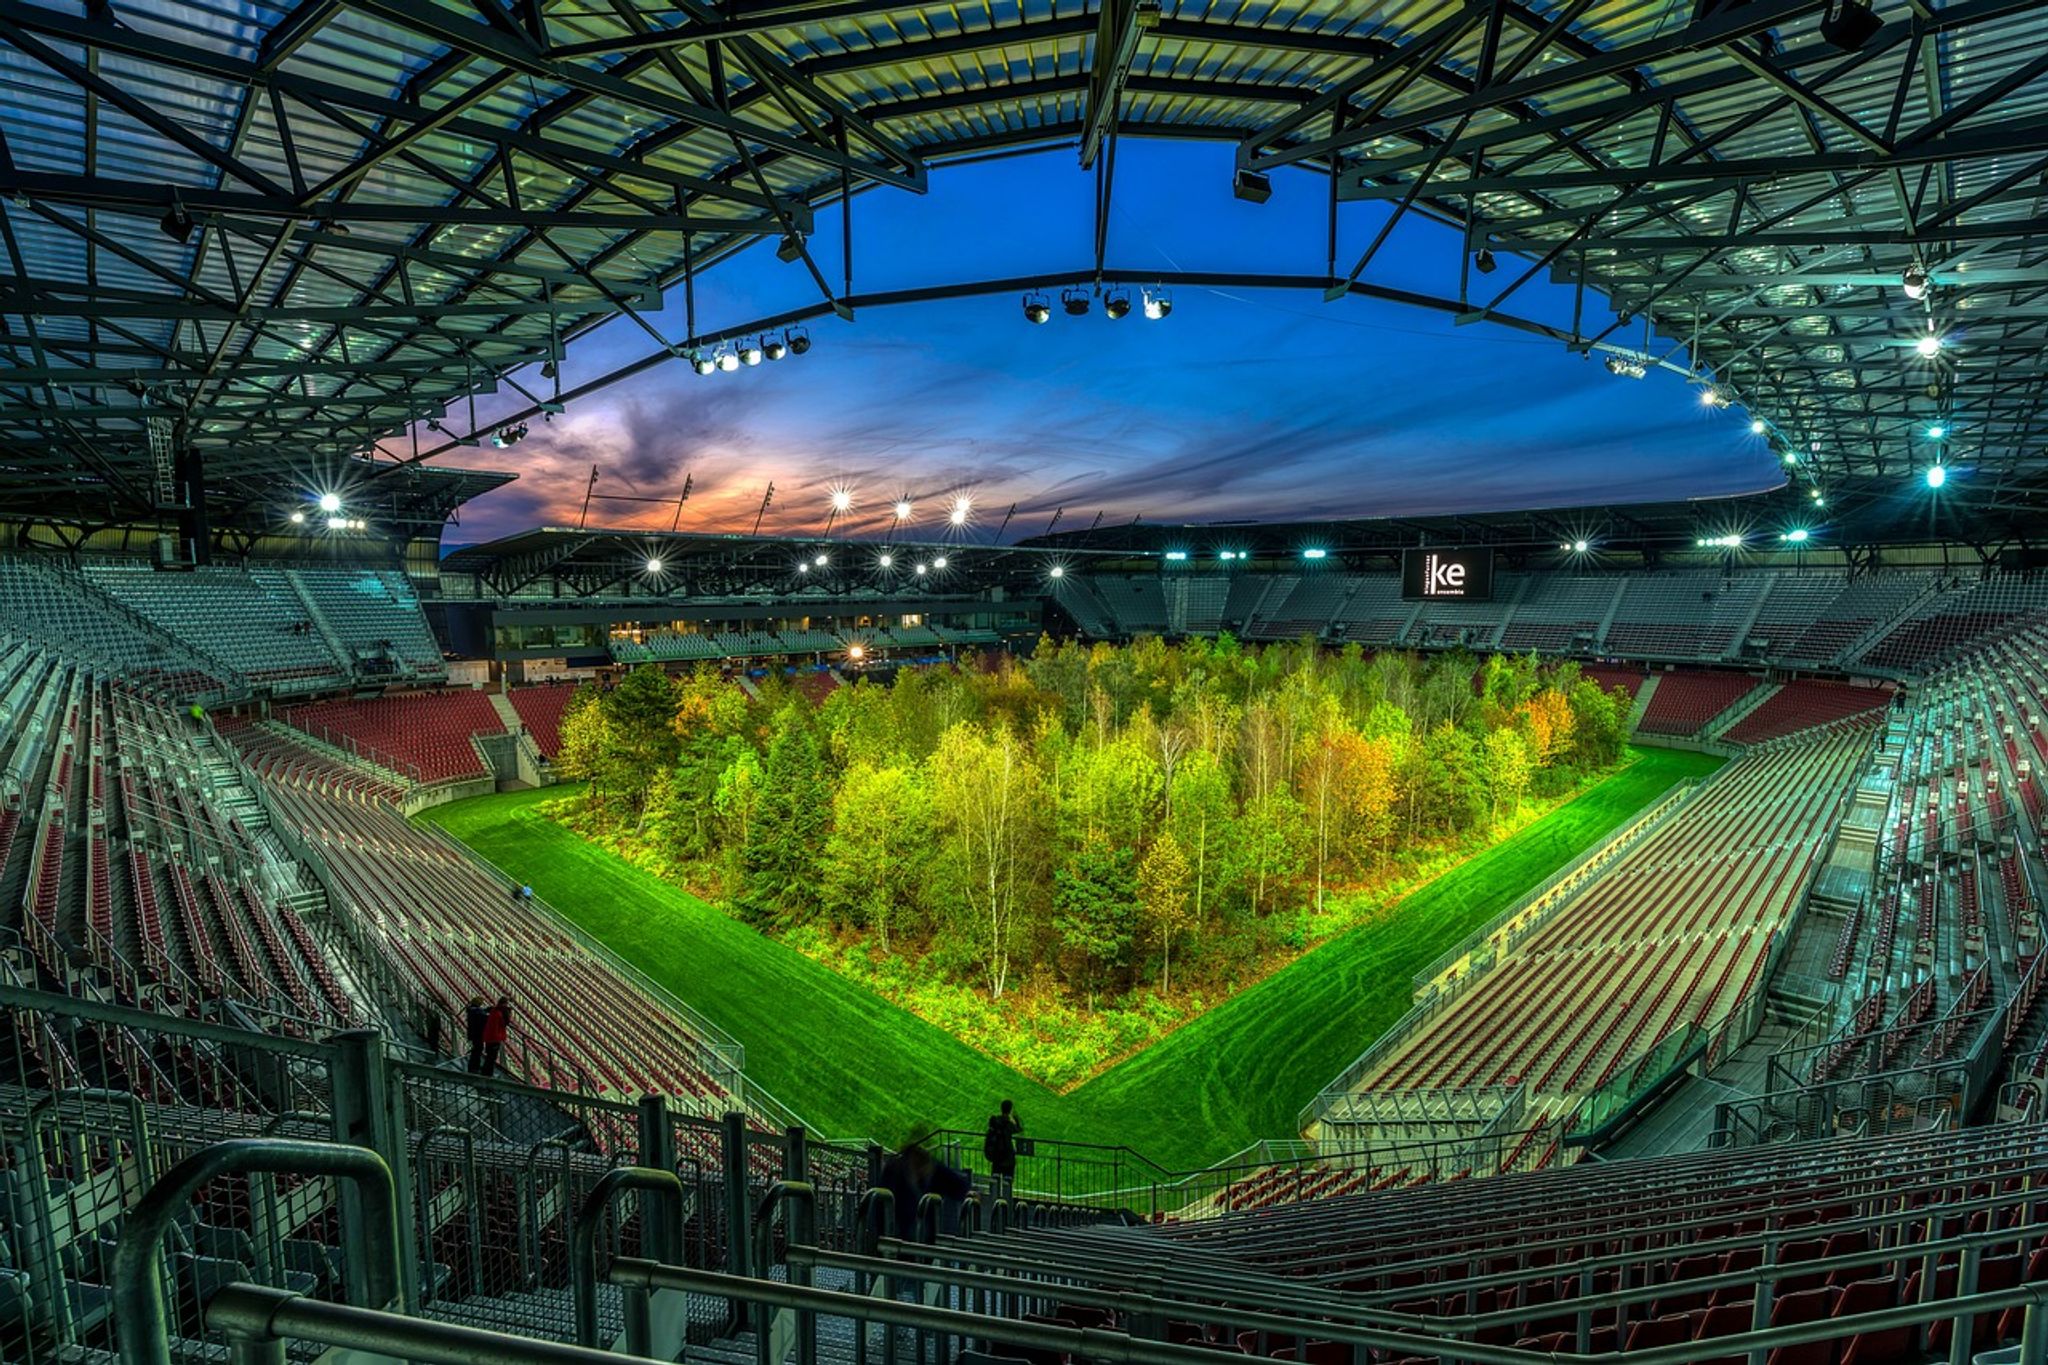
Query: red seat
column 1668, row 1330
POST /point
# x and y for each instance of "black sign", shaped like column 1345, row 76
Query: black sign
column 1448, row 575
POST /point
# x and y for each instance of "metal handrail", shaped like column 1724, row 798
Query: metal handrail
column 141, row 1318
column 583, row 1236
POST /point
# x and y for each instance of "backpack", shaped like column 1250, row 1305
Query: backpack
column 988, row 1142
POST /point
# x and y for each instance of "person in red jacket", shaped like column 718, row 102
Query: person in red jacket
column 495, row 1025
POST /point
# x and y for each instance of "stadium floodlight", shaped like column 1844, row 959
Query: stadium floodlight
column 1117, row 305
column 1483, row 262
column 1626, row 367
column 799, row 341
column 1580, row 547
column 856, row 652
column 1797, row 535
column 920, row 571
column 1712, row 397
column 176, row 224
column 1176, row 555
column 298, row 518
column 1914, row 282
column 963, row 507
column 1251, row 186
column 1158, row 304
column 842, row 499
column 750, row 352
column 802, row 567
column 1226, row 554
column 790, row 248
column 1757, row 426
column 1036, row 309
column 1818, row 500
column 1927, row 347
column 703, row 364
column 330, row 502
column 1789, row 455
column 774, row 348
column 1075, row 302
column 728, row 361
column 1936, row 432
column 654, row 563
column 1313, row 553
column 1056, row 571
column 885, row 559
column 903, row 509
column 1937, row 475
column 822, row 560
column 938, row 561
column 337, row 523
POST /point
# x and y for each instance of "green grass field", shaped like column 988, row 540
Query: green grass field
column 855, row 1065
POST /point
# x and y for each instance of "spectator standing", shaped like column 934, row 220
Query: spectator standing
column 496, row 1024
column 474, row 1021
column 999, row 1146
column 912, row 1173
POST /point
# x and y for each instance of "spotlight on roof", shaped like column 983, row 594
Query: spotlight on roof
column 1176, row 555
column 1158, row 304
column 938, row 561
column 822, row 560
column 337, row 523
column 1914, row 282
column 856, row 652
column 1712, row 397
column 790, row 248
column 1937, row 475
column 1251, row 187
column 1036, row 309
column 1797, row 535
column 774, row 348
column 1818, row 500
column 1483, row 262
column 654, row 563
column 799, row 341
column 1626, row 367
column 728, row 361
column 298, row 518
column 1580, row 547
column 1314, row 553
column 1757, row 427
column 1117, row 305
column 330, row 502
column 176, row 224
column 885, row 559
column 750, row 352
column 920, row 571
column 842, row 499
column 1848, row 24
column 1789, row 455
column 1056, row 571
column 1074, row 302
column 704, row 364
column 548, row 369
column 1936, row 432
column 902, row 509
column 1927, row 347
column 963, row 507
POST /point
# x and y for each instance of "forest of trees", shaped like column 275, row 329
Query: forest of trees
column 1094, row 819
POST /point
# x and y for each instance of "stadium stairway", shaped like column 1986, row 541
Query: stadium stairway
column 1749, row 701
column 1644, row 692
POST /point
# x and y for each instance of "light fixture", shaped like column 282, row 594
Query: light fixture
column 920, row 571
column 790, row 248
column 1251, row 187
column 1936, row 432
column 842, row 499
column 703, row 364
column 1818, row 500
column 938, row 561
column 1580, row 547
column 885, row 559
column 1914, row 282
column 1483, row 262
column 1626, row 367
column 727, row 361
column 1848, row 24
column 330, row 502
column 1797, row 535
column 799, row 341
column 1789, row 455
column 856, row 652
column 1036, row 309
column 1117, row 305
column 548, row 369
column 1176, row 555
column 1927, row 347
column 750, row 352
column 903, row 509
column 802, row 567
column 1712, row 397
column 654, row 563
column 1056, row 572
column 298, row 518
column 774, row 348
column 963, row 507
column 1937, row 475
column 1158, row 304
column 1315, row 554
column 822, row 560
column 1074, row 302
column 1226, row 554
column 1757, row 427
column 176, row 224
column 337, row 523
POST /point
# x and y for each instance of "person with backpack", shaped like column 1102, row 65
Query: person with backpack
column 999, row 1147
column 496, row 1025
column 474, row 1020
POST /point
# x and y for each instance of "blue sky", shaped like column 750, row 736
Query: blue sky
column 1244, row 404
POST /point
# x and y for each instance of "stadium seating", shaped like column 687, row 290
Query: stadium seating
column 268, row 636
column 1682, row 615
column 1953, row 619
column 1560, row 613
column 1685, row 701
column 372, row 614
column 540, row 711
column 1801, row 705
column 427, row 733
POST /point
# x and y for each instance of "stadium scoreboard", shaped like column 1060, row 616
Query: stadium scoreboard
column 1447, row 574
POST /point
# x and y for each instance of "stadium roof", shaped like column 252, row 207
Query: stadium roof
column 271, row 233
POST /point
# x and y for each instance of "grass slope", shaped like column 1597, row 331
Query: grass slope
column 853, row 1064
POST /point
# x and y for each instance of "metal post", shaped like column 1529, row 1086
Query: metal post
column 733, row 1149
column 661, row 1235
column 364, row 1117
column 795, row 1153
column 141, row 1317
column 1963, row 1328
column 2034, row 1334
